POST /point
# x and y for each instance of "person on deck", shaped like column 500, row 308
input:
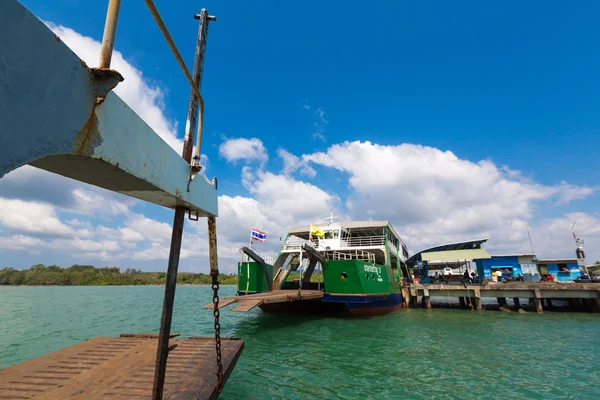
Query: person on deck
column 466, row 277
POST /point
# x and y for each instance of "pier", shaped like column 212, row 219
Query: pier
column 121, row 368
column 585, row 296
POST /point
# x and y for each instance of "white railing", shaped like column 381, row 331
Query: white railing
column 363, row 241
column 294, row 243
column 353, row 255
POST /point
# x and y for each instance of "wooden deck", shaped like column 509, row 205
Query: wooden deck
column 120, row 368
column 251, row 301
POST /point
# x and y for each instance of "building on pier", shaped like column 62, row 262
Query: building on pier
column 565, row 269
column 455, row 257
column 511, row 265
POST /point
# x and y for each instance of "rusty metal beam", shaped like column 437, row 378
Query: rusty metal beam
column 162, row 351
column 110, row 29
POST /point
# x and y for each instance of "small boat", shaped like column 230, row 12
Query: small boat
column 353, row 266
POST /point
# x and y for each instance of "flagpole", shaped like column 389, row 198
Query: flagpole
column 248, row 265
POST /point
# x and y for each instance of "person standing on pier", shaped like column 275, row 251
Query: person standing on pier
column 466, row 277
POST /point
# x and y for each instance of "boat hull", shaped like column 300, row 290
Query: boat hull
column 360, row 306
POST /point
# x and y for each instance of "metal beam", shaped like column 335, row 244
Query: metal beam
column 53, row 121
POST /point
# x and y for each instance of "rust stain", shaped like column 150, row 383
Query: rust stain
column 83, row 64
column 85, row 135
column 178, row 193
column 117, row 164
column 57, row 38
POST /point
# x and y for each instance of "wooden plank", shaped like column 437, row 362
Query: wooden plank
column 274, row 296
column 247, row 305
column 124, row 369
column 222, row 303
column 145, row 335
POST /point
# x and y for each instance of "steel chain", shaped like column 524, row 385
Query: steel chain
column 217, row 314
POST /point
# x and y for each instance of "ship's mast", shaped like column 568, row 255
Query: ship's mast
column 331, row 217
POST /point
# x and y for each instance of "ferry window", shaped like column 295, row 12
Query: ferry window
column 372, row 276
column 327, row 235
column 336, row 234
column 366, row 276
column 543, row 269
column 343, row 275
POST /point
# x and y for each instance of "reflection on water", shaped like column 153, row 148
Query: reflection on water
column 443, row 354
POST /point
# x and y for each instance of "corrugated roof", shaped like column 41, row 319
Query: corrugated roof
column 448, row 247
column 453, row 255
column 557, row 260
column 513, row 255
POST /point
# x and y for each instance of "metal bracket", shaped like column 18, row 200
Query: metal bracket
column 105, row 80
column 195, row 169
column 190, row 216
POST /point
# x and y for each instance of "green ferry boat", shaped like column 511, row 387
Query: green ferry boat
column 353, row 266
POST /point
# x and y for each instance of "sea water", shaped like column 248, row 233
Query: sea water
column 420, row 354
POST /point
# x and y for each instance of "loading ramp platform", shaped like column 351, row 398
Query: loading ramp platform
column 248, row 302
column 121, row 368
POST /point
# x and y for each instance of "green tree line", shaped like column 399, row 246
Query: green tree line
column 88, row 275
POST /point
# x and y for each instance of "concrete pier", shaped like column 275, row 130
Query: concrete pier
column 579, row 296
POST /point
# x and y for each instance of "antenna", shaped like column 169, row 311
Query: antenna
column 529, row 236
column 579, row 250
column 590, row 225
column 331, row 217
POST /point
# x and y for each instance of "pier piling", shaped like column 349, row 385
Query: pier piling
column 517, row 302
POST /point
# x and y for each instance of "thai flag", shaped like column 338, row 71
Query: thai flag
column 258, row 235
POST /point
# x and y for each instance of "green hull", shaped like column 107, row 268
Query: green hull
column 355, row 277
column 257, row 282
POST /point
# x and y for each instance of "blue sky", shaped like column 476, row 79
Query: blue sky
column 434, row 87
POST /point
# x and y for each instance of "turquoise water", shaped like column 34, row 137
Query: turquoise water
column 420, row 354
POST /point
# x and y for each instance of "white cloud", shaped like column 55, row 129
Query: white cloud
column 243, row 149
column 21, row 243
column 150, row 229
column 289, row 201
column 32, row 217
column 434, row 197
column 319, row 136
column 130, row 235
column 292, row 163
column 319, row 123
